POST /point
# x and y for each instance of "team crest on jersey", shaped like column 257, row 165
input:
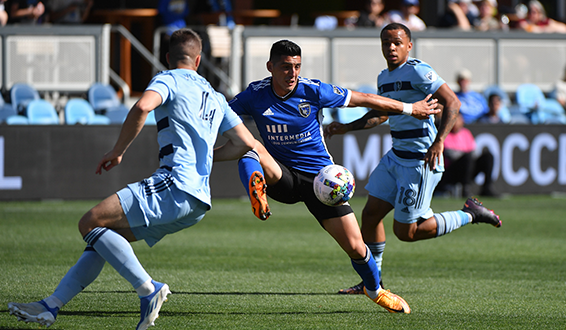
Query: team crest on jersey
column 304, row 109
column 337, row 90
column 431, row 76
column 398, row 85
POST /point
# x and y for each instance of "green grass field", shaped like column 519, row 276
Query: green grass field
column 233, row 271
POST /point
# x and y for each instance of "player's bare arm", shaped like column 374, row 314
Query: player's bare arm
column 450, row 107
column 240, row 141
column 130, row 129
column 420, row 110
column 371, row 119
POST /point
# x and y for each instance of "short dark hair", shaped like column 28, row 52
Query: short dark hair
column 184, row 42
column 283, row 48
column 396, row 26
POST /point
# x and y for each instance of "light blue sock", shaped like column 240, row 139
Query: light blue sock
column 449, row 221
column 84, row 272
column 367, row 270
column 377, row 252
column 247, row 165
column 118, row 252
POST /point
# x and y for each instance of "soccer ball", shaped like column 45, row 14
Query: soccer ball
column 334, row 185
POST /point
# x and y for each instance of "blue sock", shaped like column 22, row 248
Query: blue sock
column 247, row 165
column 377, row 252
column 450, row 221
column 84, row 272
column 367, row 269
column 118, row 252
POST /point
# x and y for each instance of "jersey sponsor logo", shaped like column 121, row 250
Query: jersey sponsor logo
column 268, row 112
column 405, row 209
column 338, row 90
column 276, row 128
column 431, row 76
column 305, row 109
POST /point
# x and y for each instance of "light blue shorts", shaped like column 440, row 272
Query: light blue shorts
column 155, row 207
column 408, row 188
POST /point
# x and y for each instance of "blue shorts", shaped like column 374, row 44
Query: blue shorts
column 408, row 188
column 155, row 207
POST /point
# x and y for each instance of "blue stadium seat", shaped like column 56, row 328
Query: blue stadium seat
column 551, row 112
column 529, row 97
column 6, row 110
column 79, row 111
column 17, row 120
column 21, row 94
column 41, row 112
column 117, row 115
column 103, row 98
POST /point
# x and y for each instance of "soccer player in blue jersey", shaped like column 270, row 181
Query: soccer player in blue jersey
column 287, row 110
column 189, row 115
column 407, row 175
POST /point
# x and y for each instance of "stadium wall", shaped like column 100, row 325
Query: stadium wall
column 59, row 162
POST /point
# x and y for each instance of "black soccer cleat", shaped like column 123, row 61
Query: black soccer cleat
column 480, row 213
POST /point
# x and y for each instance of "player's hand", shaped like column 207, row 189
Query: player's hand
column 423, row 109
column 109, row 160
column 335, row 128
column 433, row 155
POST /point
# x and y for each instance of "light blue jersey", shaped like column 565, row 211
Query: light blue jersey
column 188, row 124
column 401, row 178
column 410, row 82
column 291, row 127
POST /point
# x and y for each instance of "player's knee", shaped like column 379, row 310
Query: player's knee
column 88, row 222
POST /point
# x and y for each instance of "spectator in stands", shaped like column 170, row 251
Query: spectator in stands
column 559, row 92
column 474, row 104
column 372, row 15
column 173, row 14
column 459, row 14
column 487, row 19
column 462, row 164
column 408, row 15
column 24, row 11
column 69, row 11
column 3, row 13
column 537, row 21
column 494, row 103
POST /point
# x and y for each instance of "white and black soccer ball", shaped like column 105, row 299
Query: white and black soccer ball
column 334, row 185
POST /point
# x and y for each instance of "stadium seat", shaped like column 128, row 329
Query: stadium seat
column 117, row 115
column 41, row 112
column 6, row 111
column 21, row 94
column 103, row 98
column 529, row 97
column 17, row 120
column 551, row 112
column 79, row 111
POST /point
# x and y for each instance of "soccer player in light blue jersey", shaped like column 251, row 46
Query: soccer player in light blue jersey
column 407, row 175
column 287, row 110
column 190, row 115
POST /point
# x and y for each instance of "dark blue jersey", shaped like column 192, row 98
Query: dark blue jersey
column 291, row 127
